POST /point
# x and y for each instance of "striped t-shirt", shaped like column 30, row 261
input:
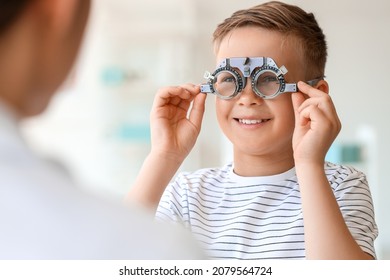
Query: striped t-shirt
column 237, row 217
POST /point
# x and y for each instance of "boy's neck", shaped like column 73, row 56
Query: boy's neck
column 251, row 166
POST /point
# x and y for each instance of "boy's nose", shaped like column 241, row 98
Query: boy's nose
column 248, row 97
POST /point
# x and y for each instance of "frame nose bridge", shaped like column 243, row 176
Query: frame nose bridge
column 246, row 71
column 246, row 82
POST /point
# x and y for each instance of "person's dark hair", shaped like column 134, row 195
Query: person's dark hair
column 287, row 19
column 9, row 11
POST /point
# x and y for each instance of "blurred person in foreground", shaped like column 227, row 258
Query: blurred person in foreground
column 42, row 215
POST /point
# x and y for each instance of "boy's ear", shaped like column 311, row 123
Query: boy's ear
column 56, row 13
column 323, row 86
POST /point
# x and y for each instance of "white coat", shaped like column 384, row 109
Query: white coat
column 44, row 216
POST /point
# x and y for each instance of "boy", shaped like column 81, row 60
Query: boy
column 279, row 199
column 42, row 214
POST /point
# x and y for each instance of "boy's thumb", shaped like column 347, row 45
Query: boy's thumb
column 197, row 110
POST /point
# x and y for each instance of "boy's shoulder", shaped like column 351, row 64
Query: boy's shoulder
column 207, row 173
column 213, row 179
column 336, row 174
column 342, row 175
column 337, row 169
column 331, row 169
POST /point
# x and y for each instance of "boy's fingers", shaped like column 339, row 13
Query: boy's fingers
column 324, row 103
column 309, row 90
column 184, row 100
column 194, row 89
column 174, row 95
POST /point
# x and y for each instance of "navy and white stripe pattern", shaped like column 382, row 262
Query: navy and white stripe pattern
column 238, row 217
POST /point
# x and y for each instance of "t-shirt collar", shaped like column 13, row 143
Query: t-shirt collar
column 262, row 179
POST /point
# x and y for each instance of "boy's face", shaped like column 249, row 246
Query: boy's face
column 255, row 126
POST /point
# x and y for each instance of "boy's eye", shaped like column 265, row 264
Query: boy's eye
column 268, row 79
column 228, row 80
column 225, row 78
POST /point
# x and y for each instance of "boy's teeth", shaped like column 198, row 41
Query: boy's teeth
column 250, row 121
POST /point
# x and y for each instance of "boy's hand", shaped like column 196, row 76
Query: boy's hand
column 174, row 126
column 316, row 124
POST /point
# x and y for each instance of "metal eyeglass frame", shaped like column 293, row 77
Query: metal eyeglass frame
column 252, row 67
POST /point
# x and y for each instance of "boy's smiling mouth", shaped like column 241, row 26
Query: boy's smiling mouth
column 251, row 121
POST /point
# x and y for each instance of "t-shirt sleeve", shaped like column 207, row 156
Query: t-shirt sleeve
column 354, row 198
column 170, row 207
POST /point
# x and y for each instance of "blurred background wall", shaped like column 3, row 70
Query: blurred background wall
column 97, row 130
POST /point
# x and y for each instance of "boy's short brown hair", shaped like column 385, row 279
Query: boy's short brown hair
column 289, row 20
